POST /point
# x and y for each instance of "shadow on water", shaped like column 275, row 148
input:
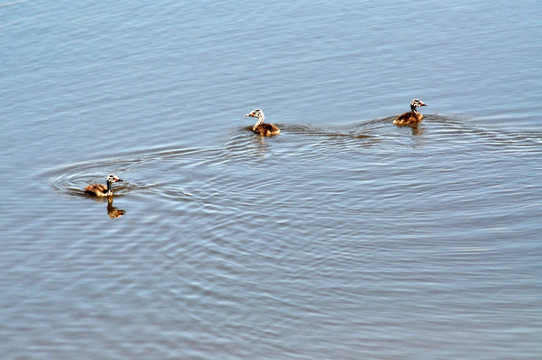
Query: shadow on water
column 112, row 211
column 243, row 142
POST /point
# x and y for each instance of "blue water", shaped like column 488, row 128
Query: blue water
column 345, row 237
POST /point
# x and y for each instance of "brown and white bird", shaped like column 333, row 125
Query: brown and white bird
column 262, row 128
column 413, row 117
column 101, row 189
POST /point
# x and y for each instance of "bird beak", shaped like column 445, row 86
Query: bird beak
column 251, row 114
column 424, row 104
column 120, row 180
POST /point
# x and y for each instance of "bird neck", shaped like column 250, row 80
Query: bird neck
column 413, row 108
column 261, row 118
column 109, row 192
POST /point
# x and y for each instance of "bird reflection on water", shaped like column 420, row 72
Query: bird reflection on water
column 112, row 211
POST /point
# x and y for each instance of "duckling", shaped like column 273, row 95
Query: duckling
column 410, row 118
column 101, row 189
column 260, row 127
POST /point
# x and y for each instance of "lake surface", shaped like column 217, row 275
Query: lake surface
column 345, row 237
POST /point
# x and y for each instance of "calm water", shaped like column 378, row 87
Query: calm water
column 344, row 237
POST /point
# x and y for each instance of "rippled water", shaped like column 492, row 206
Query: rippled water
column 345, row 237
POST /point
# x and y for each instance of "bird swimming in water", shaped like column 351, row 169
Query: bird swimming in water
column 413, row 117
column 262, row 128
column 101, row 189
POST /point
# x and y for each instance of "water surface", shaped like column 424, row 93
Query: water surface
column 344, row 237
